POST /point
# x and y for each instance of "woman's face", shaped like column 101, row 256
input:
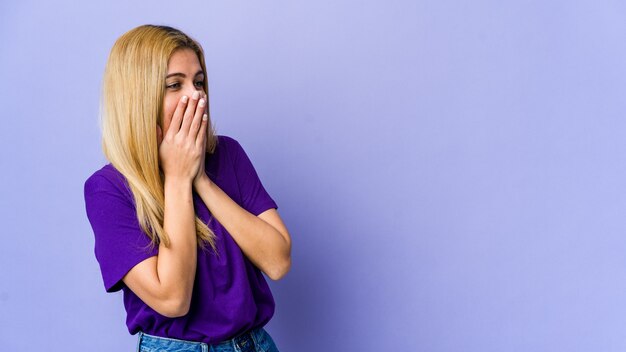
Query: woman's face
column 184, row 78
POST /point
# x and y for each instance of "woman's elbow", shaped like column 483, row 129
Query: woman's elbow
column 280, row 270
column 175, row 308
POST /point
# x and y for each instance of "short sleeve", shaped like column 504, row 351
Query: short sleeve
column 254, row 196
column 120, row 244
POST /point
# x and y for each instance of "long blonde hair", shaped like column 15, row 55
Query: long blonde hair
column 131, row 107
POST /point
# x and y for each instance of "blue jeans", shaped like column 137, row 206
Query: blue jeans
column 255, row 340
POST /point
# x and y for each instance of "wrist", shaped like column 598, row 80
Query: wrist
column 172, row 180
column 201, row 181
column 177, row 184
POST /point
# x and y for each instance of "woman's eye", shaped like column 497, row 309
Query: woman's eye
column 200, row 84
column 173, row 85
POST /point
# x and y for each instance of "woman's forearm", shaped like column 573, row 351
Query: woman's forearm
column 259, row 241
column 176, row 264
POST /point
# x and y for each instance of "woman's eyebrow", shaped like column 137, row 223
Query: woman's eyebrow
column 180, row 74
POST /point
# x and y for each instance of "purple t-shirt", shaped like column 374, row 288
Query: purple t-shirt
column 230, row 294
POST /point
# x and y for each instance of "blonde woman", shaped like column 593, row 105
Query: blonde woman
column 182, row 224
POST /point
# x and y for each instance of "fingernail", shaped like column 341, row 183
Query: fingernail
column 184, row 99
column 196, row 95
column 201, row 103
column 204, row 117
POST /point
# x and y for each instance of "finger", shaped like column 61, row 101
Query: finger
column 202, row 135
column 177, row 116
column 197, row 119
column 189, row 112
column 206, row 99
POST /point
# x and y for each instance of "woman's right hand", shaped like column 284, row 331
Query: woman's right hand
column 182, row 148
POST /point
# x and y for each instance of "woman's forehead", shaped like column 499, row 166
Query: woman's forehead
column 183, row 59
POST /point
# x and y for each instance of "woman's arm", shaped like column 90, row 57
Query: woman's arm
column 165, row 282
column 263, row 239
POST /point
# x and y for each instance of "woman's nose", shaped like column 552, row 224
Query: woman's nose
column 189, row 92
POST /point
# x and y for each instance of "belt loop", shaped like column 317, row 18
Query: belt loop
column 139, row 334
column 235, row 345
column 254, row 334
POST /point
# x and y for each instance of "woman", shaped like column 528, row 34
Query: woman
column 172, row 189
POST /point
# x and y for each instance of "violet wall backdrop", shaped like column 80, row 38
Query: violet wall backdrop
column 451, row 172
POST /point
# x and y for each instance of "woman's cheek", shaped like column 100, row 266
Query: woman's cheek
column 168, row 110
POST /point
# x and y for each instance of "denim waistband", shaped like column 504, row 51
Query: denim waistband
column 236, row 344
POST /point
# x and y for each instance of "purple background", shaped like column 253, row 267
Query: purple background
column 451, row 172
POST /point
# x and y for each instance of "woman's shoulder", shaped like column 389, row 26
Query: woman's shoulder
column 106, row 178
column 228, row 145
column 226, row 141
